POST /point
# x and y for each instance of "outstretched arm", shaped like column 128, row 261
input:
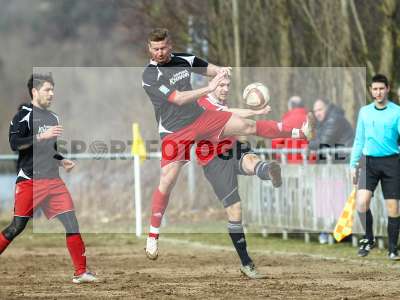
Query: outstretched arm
column 213, row 70
column 181, row 98
column 246, row 113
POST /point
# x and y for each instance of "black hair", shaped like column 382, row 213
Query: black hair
column 380, row 78
column 37, row 80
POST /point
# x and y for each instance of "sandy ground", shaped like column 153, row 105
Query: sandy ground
column 189, row 271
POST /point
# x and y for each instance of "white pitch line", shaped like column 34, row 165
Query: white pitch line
column 282, row 253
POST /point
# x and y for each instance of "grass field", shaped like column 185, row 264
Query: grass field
column 194, row 266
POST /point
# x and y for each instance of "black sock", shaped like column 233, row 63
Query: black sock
column 367, row 223
column 261, row 170
column 393, row 233
column 236, row 233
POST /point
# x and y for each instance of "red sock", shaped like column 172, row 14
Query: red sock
column 159, row 203
column 3, row 243
column 76, row 249
column 272, row 129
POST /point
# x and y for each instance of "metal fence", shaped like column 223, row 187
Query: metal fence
column 311, row 198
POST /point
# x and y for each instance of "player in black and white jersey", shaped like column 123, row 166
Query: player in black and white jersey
column 33, row 133
column 182, row 122
column 167, row 80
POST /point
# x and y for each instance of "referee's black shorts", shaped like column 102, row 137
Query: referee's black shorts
column 222, row 171
column 385, row 169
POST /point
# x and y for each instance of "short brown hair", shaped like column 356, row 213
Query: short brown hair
column 380, row 78
column 158, row 35
column 37, row 80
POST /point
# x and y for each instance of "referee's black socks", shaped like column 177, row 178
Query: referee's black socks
column 393, row 233
column 367, row 223
column 236, row 233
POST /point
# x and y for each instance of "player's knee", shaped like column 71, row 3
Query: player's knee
column 167, row 179
column 17, row 225
column 362, row 207
column 167, row 182
column 392, row 208
column 362, row 202
column 73, row 227
column 234, row 212
column 393, row 214
column 248, row 162
column 166, row 185
column 69, row 222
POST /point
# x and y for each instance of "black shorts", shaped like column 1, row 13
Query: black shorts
column 384, row 169
column 222, row 171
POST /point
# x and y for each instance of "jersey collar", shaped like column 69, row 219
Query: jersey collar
column 214, row 100
column 154, row 63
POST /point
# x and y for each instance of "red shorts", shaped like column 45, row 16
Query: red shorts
column 51, row 195
column 208, row 127
column 206, row 151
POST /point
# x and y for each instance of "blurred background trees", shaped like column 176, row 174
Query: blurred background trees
column 271, row 33
column 241, row 33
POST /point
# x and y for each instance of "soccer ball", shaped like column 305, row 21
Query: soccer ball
column 256, row 96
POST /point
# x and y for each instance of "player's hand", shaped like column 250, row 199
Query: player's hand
column 227, row 70
column 67, row 164
column 213, row 84
column 51, row 132
column 263, row 111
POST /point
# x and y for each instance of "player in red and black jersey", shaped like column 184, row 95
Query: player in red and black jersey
column 33, row 133
column 165, row 81
column 182, row 122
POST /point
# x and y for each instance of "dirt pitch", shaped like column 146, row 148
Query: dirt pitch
column 189, row 271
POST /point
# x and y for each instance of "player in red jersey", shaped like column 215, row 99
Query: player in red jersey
column 33, row 133
column 181, row 121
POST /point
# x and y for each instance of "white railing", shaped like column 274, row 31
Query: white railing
column 310, row 200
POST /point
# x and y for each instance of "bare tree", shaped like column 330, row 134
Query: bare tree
column 387, row 49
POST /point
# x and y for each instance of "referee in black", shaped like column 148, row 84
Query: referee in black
column 376, row 144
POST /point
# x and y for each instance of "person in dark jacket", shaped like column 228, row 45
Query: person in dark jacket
column 333, row 129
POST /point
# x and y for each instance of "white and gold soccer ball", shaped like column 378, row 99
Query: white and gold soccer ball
column 256, row 95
